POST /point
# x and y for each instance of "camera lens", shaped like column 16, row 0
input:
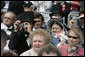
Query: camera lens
column 22, row 24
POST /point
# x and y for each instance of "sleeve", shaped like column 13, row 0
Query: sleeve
column 12, row 43
column 15, row 40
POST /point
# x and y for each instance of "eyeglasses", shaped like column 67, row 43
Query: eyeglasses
column 7, row 18
column 72, row 37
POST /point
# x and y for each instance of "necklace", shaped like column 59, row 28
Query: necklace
column 71, row 51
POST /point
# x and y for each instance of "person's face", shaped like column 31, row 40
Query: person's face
column 50, row 54
column 17, row 22
column 38, row 23
column 38, row 42
column 73, row 39
column 56, row 16
column 27, row 26
column 8, row 19
column 27, row 8
column 82, row 20
column 56, row 29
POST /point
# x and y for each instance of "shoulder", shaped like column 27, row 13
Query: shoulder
column 81, row 50
column 63, row 46
column 26, row 53
column 63, row 50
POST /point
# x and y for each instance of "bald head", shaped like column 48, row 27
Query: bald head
column 8, row 18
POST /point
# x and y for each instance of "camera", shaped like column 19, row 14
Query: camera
column 22, row 25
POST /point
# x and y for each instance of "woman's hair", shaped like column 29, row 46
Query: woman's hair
column 54, row 21
column 40, row 32
column 48, row 49
column 57, row 24
column 77, row 32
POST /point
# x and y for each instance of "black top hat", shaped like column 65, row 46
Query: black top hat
column 56, row 12
column 28, row 4
column 26, row 17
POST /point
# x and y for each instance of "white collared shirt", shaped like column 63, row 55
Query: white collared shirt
column 5, row 28
column 6, row 6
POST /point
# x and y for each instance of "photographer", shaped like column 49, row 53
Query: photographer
column 20, row 35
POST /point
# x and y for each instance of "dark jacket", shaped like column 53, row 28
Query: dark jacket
column 18, row 42
column 58, row 7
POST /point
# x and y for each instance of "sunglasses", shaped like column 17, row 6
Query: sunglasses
column 72, row 37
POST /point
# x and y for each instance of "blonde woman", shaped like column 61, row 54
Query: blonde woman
column 72, row 49
column 38, row 39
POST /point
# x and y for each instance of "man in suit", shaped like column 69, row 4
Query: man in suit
column 64, row 7
column 7, row 22
column 20, row 35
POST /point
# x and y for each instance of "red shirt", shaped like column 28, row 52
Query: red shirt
column 64, row 51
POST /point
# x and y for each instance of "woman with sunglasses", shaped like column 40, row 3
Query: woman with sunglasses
column 72, row 49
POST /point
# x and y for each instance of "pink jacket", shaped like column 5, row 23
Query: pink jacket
column 64, row 51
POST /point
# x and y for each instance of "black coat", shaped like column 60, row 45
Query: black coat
column 18, row 42
column 58, row 7
column 16, row 7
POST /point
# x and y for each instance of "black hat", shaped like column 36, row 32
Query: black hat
column 56, row 12
column 28, row 4
column 26, row 17
column 52, row 21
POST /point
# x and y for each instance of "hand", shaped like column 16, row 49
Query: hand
column 28, row 28
column 62, row 41
column 72, row 22
column 16, row 24
column 62, row 37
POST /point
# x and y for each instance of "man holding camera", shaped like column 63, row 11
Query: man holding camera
column 20, row 35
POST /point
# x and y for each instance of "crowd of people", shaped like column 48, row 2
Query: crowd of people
column 24, row 31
